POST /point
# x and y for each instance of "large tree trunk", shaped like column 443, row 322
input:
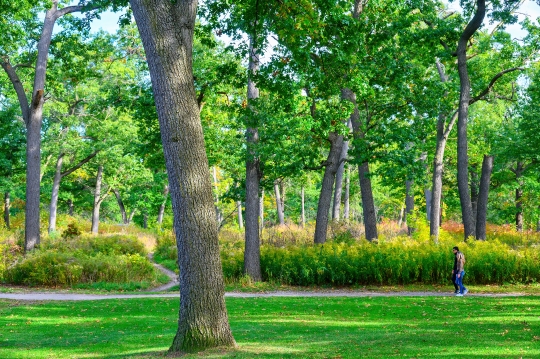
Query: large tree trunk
column 252, row 253
column 53, row 208
column 6, row 209
column 409, row 204
column 121, row 206
column 166, row 29
column 97, row 201
column 463, row 113
column 325, row 198
column 279, row 203
column 161, row 211
column 481, row 210
column 346, row 205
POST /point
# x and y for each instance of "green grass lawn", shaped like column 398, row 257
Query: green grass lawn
column 379, row 327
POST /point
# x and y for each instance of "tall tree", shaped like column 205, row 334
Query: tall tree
column 166, row 30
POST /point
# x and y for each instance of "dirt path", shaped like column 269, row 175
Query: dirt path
column 37, row 296
column 174, row 280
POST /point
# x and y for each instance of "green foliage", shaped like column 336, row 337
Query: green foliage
column 86, row 259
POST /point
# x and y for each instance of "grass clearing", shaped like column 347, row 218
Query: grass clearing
column 378, row 327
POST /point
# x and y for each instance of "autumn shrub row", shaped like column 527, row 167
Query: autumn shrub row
column 86, row 259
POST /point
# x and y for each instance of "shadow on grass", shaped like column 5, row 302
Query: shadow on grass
column 281, row 328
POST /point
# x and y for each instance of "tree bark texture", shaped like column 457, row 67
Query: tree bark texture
column 252, row 253
column 325, row 198
column 97, row 201
column 121, row 206
column 6, row 209
column 166, row 29
column 463, row 113
column 161, row 211
column 409, row 204
column 481, row 210
column 279, row 203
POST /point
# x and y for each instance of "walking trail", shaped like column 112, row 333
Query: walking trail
column 52, row 296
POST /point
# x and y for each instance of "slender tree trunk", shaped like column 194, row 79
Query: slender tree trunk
column 368, row 204
column 131, row 215
column 161, row 212
column 427, row 196
column 481, row 213
column 70, row 207
column 325, row 198
column 97, row 201
column 145, row 220
column 303, row 209
column 166, row 29
column 239, row 211
column 519, row 209
column 474, row 190
column 121, row 206
column 401, row 216
column 53, row 208
column 346, row 205
column 463, row 113
column 339, row 181
column 279, row 204
column 409, row 204
column 33, row 115
column 443, row 132
column 252, row 253
column 6, row 209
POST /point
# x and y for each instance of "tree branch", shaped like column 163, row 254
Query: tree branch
column 18, row 86
column 79, row 165
column 492, row 83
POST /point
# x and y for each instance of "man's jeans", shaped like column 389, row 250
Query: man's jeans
column 459, row 282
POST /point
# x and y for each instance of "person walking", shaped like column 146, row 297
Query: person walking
column 458, row 272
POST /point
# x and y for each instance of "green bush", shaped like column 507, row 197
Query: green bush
column 96, row 245
column 402, row 260
column 53, row 268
